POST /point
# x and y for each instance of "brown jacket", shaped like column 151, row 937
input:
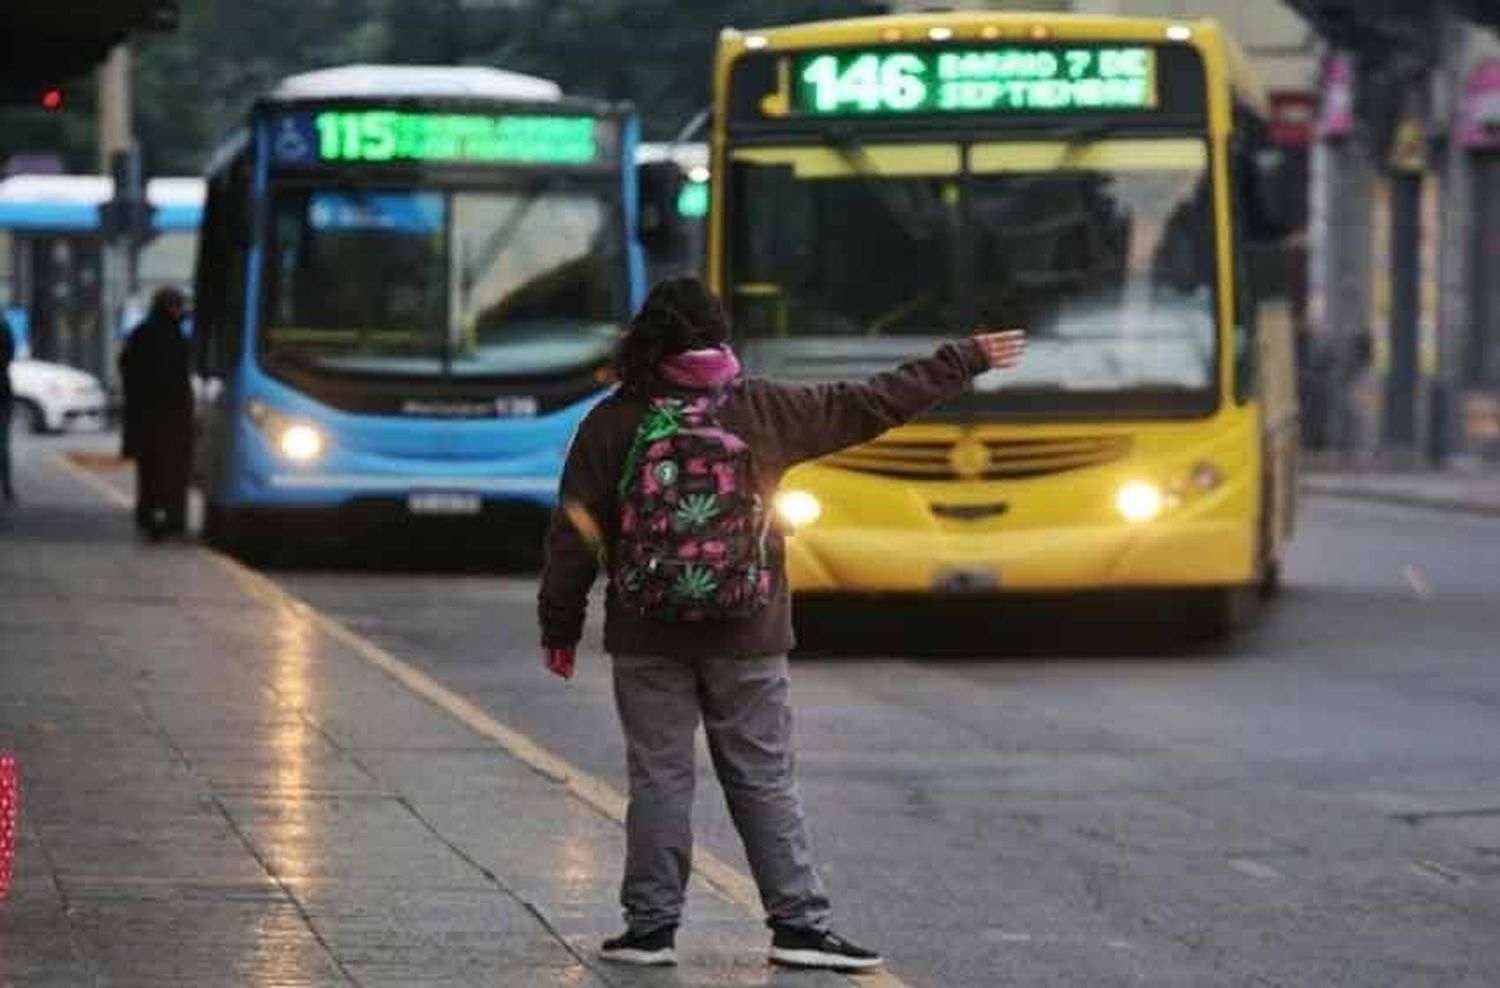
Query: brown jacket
column 784, row 424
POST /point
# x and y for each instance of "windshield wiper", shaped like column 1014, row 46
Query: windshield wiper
column 857, row 156
column 1075, row 138
column 502, row 236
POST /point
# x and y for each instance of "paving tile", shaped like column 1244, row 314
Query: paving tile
column 202, row 942
column 37, row 946
column 465, row 972
column 366, row 914
column 292, row 770
column 352, row 837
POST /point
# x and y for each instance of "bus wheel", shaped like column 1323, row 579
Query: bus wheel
column 1270, row 579
column 238, row 533
column 1269, row 583
column 219, row 528
column 1217, row 613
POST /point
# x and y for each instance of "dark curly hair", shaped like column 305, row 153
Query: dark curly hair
column 679, row 314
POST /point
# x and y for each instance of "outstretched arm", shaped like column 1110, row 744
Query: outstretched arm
column 815, row 420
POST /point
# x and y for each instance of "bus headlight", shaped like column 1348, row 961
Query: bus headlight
column 1139, row 501
column 300, row 443
column 798, row 508
column 296, row 441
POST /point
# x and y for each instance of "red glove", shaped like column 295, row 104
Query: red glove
column 560, row 661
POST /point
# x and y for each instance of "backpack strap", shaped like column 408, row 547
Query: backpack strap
column 662, row 419
column 717, row 402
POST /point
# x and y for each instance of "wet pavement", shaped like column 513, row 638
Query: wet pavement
column 219, row 788
column 998, row 797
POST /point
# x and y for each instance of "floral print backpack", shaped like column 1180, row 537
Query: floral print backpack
column 693, row 524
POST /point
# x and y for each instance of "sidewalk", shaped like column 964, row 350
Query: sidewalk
column 222, row 788
column 1475, row 492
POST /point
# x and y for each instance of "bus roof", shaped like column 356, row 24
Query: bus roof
column 1015, row 26
column 71, row 202
column 687, row 154
column 414, row 81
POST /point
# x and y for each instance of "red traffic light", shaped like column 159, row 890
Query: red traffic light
column 52, row 99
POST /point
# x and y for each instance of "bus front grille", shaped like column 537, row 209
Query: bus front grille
column 995, row 459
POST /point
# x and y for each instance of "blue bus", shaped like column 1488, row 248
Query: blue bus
column 410, row 283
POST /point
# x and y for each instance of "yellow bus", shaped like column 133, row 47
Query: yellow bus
column 1106, row 183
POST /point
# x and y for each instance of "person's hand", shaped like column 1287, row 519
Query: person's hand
column 560, row 661
column 1003, row 348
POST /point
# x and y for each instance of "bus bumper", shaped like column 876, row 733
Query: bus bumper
column 332, row 490
column 1176, row 553
column 402, row 465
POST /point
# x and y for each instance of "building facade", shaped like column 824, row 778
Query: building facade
column 1405, row 235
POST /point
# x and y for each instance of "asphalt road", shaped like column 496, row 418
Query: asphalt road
column 1059, row 802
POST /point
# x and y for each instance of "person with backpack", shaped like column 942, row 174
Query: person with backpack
column 668, row 487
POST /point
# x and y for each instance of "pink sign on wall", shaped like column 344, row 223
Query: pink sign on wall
column 1337, row 119
column 1479, row 117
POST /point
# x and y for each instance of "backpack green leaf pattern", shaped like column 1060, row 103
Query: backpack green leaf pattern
column 697, row 510
column 695, row 583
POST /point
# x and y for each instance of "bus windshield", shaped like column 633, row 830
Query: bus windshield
column 847, row 258
column 424, row 282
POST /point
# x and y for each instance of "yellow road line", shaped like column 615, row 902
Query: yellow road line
column 92, row 480
column 723, row 877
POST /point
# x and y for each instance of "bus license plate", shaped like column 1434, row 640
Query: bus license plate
column 443, row 503
column 966, row 579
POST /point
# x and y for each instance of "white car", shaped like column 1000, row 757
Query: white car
column 51, row 397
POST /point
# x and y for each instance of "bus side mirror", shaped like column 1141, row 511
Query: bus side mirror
column 1271, row 194
column 661, row 229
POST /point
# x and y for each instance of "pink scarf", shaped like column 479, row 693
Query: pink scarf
column 701, row 370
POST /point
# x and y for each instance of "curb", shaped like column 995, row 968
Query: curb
column 1405, row 499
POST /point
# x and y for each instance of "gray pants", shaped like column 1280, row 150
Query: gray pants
column 748, row 721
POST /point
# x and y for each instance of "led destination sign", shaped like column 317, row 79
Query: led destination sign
column 1012, row 79
column 384, row 136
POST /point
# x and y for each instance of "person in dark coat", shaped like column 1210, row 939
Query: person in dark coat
column 7, row 354
column 158, row 427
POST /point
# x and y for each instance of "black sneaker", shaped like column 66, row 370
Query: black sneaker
column 657, row 948
column 793, row 947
